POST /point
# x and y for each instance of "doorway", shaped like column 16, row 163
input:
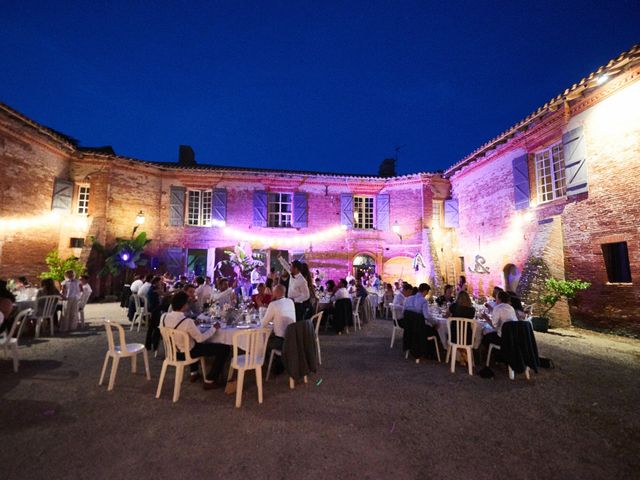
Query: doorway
column 197, row 262
column 363, row 264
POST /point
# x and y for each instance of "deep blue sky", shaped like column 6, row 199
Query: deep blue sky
column 330, row 86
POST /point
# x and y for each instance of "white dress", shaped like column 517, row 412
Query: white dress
column 69, row 318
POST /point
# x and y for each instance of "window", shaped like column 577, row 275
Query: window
column 199, row 208
column 616, row 260
column 83, row 200
column 550, row 174
column 437, row 214
column 363, row 212
column 76, row 242
column 280, row 209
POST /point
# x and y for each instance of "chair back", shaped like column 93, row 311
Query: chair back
column 143, row 303
column 137, row 301
column 162, row 317
column 110, row 326
column 46, row 306
column 254, row 344
column 175, row 341
column 316, row 322
column 462, row 331
column 16, row 328
column 356, row 304
column 394, row 314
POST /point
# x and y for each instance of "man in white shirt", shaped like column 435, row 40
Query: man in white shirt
column 399, row 300
column 341, row 292
column 491, row 304
column 136, row 284
column 282, row 312
column 225, row 295
column 502, row 313
column 198, row 348
column 144, row 289
column 203, row 292
column 299, row 290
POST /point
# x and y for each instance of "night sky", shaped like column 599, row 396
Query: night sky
column 328, row 86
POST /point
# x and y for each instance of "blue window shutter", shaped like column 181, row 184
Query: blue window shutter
column 451, row 214
column 174, row 257
column 346, row 209
column 62, row 195
column 575, row 161
column 219, row 207
column 176, row 206
column 260, row 208
column 521, row 191
column 300, row 216
column 382, row 212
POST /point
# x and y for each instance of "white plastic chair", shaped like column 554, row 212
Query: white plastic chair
column 396, row 326
column 45, row 311
column 175, row 341
column 316, row 321
column 463, row 326
column 357, row 324
column 142, row 314
column 116, row 352
column 254, row 344
column 512, row 374
column 9, row 342
column 84, row 298
column 292, row 382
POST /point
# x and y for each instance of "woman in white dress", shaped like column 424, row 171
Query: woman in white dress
column 71, row 292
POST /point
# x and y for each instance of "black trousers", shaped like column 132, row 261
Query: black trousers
column 303, row 310
column 275, row 343
column 153, row 332
column 492, row 337
column 218, row 350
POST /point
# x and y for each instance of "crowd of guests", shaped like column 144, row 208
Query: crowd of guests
column 75, row 292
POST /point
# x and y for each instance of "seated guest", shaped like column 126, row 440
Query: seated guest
column 318, row 285
column 502, row 313
column 146, row 285
column 516, row 303
column 489, row 305
column 446, row 297
column 418, row 303
column 281, row 312
column 261, row 299
column 352, row 287
column 399, row 301
column 136, row 284
column 225, row 295
column 48, row 288
column 388, row 296
column 462, row 307
column 268, row 286
column 179, row 321
column 204, row 291
column 341, row 291
column 193, row 307
column 397, row 288
column 7, row 299
column 179, row 285
column 331, row 287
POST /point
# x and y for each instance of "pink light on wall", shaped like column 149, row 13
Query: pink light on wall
column 291, row 241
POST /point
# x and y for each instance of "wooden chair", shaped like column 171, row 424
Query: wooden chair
column 254, row 344
column 465, row 329
column 175, row 341
column 116, row 352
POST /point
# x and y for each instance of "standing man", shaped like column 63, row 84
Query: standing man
column 299, row 290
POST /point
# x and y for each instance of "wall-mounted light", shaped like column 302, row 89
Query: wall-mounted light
column 396, row 229
column 139, row 221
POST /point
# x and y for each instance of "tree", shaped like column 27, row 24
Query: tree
column 387, row 168
column 126, row 255
column 558, row 289
column 57, row 266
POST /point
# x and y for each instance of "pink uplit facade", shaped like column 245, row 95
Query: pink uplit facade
column 498, row 205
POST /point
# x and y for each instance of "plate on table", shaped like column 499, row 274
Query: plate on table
column 243, row 326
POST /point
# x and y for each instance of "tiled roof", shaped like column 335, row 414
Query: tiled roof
column 615, row 66
column 50, row 132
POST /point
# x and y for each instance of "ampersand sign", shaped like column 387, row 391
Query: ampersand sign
column 480, row 267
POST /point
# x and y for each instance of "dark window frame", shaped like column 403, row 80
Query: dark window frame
column 616, row 261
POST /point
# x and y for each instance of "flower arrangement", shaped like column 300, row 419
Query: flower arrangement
column 242, row 260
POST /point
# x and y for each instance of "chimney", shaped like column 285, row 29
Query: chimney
column 186, row 156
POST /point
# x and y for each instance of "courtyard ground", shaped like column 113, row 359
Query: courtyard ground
column 373, row 415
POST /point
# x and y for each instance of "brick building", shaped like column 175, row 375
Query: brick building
column 556, row 192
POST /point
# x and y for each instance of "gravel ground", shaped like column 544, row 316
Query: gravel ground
column 374, row 415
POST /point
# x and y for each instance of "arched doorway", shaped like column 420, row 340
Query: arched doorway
column 363, row 264
column 511, row 277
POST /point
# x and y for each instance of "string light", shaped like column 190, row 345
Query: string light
column 291, row 241
column 44, row 220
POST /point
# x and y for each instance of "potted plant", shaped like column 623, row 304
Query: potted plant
column 554, row 291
